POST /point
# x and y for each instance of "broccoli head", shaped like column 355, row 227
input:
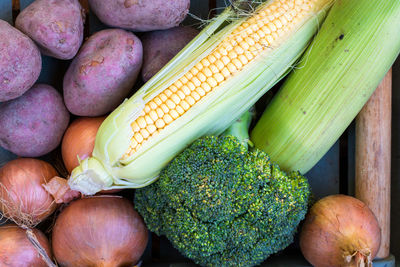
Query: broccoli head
column 222, row 205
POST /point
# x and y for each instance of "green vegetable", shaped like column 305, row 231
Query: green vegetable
column 353, row 50
column 223, row 205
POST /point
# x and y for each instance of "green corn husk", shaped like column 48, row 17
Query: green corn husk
column 107, row 169
column 346, row 61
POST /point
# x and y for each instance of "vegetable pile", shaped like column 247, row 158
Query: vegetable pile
column 166, row 112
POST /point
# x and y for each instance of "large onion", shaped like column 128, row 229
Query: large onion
column 99, row 231
column 22, row 197
column 17, row 250
column 78, row 140
column 340, row 231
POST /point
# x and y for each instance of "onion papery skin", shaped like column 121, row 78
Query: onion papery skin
column 78, row 140
column 17, row 250
column 22, row 196
column 338, row 231
column 99, row 231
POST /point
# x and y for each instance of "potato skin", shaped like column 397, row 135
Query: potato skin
column 20, row 62
column 141, row 15
column 56, row 26
column 155, row 51
column 103, row 72
column 33, row 124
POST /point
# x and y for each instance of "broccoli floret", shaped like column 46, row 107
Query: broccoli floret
column 222, row 205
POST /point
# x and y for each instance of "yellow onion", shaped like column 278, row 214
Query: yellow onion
column 340, row 230
column 78, row 141
column 22, row 196
column 100, row 231
column 17, row 250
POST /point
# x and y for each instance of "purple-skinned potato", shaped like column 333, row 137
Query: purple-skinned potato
column 156, row 54
column 103, row 73
column 141, row 15
column 20, row 62
column 56, row 26
column 33, row 124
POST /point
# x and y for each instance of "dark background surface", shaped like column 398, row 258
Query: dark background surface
column 395, row 219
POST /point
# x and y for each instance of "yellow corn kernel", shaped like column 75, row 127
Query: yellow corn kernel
column 170, row 104
column 186, row 90
column 195, row 96
column 184, row 105
column 178, row 84
column 207, row 72
column 206, row 87
column 175, row 98
column 180, row 110
column 148, row 119
column 196, row 82
column 174, row 114
column 181, row 94
column 173, row 88
column 201, row 91
column 135, row 127
column 219, row 77
column 184, row 80
column 141, row 122
column 157, row 100
column 160, row 112
column 153, row 115
column 151, row 128
column 168, row 92
column 164, row 108
column 167, row 119
column 190, row 100
column 201, row 76
column 138, row 137
column 145, row 134
column 160, row 123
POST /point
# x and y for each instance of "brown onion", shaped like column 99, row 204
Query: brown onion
column 22, row 197
column 17, row 250
column 78, row 140
column 340, row 230
column 99, row 231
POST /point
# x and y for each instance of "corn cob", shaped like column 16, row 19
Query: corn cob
column 218, row 76
column 352, row 52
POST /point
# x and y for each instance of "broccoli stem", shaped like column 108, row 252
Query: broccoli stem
column 240, row 129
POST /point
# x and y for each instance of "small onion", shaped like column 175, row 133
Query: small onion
column 78, row 140
column 22, row 197
column 340, row 230
column 99, row 231
column 17, row 250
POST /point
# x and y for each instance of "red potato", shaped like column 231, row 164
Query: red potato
column 20, row 62
column 56, row 26
column 156, row 54
column 141, row 15
column 103, row 72
column 33, row 124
